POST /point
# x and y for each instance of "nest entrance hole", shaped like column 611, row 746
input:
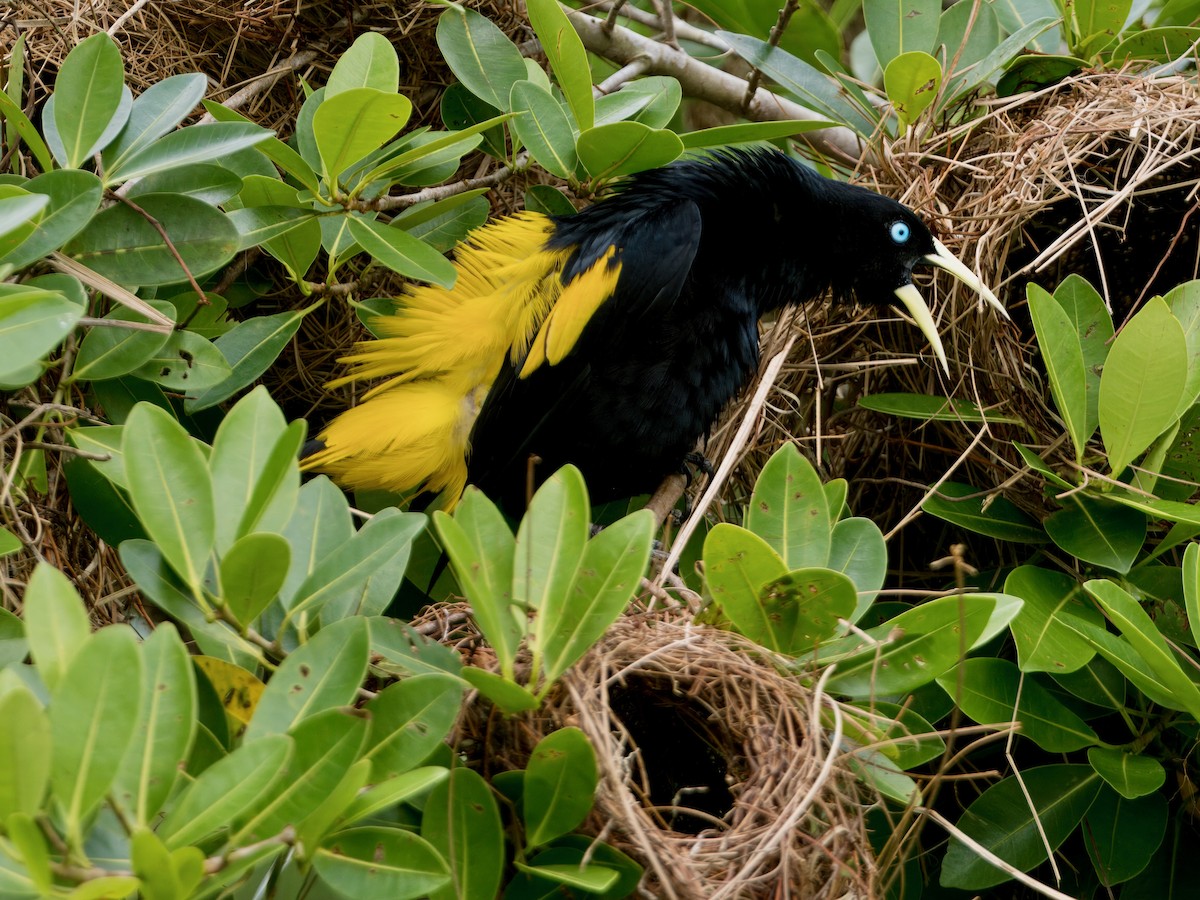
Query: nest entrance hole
column 685, row 754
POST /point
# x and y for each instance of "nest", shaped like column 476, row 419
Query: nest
column 716, row 771
column 1096, row 176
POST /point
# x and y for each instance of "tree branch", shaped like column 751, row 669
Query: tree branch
column 704, row 82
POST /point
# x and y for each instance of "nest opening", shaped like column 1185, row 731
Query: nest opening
column 685, row 757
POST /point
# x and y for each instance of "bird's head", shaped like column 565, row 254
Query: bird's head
column 889, row 241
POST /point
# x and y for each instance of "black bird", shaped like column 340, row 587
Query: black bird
column 612, row 338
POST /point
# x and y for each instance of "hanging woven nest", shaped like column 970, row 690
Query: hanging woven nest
column 1095, row 176
column 717, row 772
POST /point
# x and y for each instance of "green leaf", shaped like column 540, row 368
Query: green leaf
column 912, row 81
column 462, row 109
column 970, row 47
column 1184, row 302
column 348, row 572
column 323, row 674
column 1017, row 15
column 1143, row 635
column 165, row 727
column 1098, row 531
column 480, row 55
column 1043, row 631
column 399, row 649
column 1122, row 834
column 259, row 224
column 993, row 691
column 607, row 578
column 231, row 788
column 994, row 516
column 32, row 323
column 1094, row 331
column 1191, row 588
column 370, row 62
column 748, row 132
column 1155, row 44
column 74, row 199
column 933, row 638
column 1129, row 775
column 87, row 97
column 1007, row 823
column 327, row 744
column 92, row 717
column 110, row 352
column 560, row 783
column 1061, row 351
column 443, row 223
column 252, row 572
column 319, row 525
column 121, row 244
column 409, row 719
column 551, row 540
column 19, row 212
column 623, row 148
column 24, row 752
column 402, row 253
column 803, row 608
column 171, row 490
column 18, row 122
column 461, row 820
column 857, row 550
column 145, row 563
column 509, row 697
column 185, row 147
column 387, row 794
column 376, row 861
column 350, row 125
column 160, row 109
column 185, row 362
column 788, row 509
column 255, row 475
column 296, row 248
column 13, row 646
column 56, row 624
column 1022, row 34
column 1096, row 23
column 932, row 409
column 568, row 59
column 1142, row 381
column 249, row 349
column 802, row 81
column 543, row 127
column 738, row 564
column 592, row 879
column 901, row 26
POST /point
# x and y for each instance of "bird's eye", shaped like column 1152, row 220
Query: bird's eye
column 900, row 232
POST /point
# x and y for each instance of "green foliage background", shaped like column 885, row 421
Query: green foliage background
column 276, row 727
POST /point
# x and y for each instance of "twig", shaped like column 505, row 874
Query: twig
column 975, row 847
column 108, row 288
column 704, row 82
column 441, row 191
column 201, row 298
column 773, row 39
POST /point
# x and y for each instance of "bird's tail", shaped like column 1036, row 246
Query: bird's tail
column 412, row 435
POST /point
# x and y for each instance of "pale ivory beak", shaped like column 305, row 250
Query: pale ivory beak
column 919, row 309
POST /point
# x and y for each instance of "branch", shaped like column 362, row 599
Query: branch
column 704, row 82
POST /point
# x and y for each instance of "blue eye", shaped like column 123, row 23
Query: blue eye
column 900, row 232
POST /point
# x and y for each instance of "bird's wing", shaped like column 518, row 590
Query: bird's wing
column 627, row 266
column 653, row 251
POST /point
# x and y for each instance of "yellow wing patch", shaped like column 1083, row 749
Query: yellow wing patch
column 571, row 312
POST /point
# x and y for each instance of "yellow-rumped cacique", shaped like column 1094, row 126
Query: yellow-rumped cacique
column 612, row 338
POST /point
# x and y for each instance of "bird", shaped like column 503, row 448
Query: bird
column 612, row 338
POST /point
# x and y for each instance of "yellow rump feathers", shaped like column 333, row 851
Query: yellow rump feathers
column 442, row 349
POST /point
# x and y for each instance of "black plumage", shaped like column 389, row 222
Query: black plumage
column 688, row 257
